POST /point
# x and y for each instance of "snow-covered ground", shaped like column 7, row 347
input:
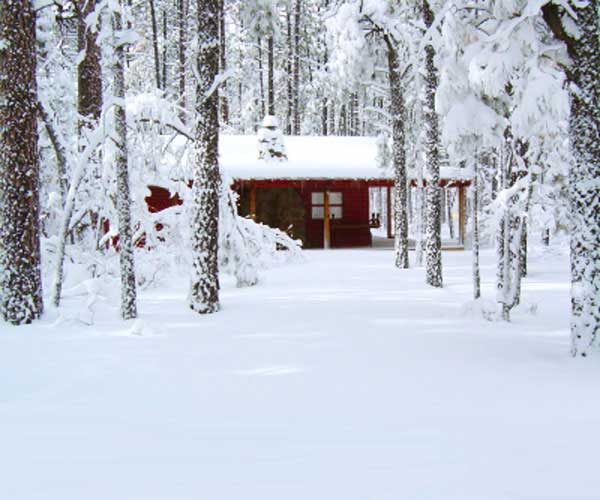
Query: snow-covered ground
column 338, row 378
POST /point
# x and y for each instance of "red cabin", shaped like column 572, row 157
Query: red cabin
column 320, row 194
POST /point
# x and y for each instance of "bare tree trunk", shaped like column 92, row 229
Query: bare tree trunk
column 261, row 80
column 224, row 100
column 89, row 107
column 475, row 219
column 182, row 27
column 509, row 236
column 204, row 296
column 164, row 50
column 290, row 75
column 126, row 259
column 583, row 176
column 271, row 76
column 449, row 199
column 296, row 67
column 59, row 151
column 584, row 124
column 154, row 24
column 331, row 127
column 89, row 72
column 343, row 123
column 20, row 260
column 398, row 112
column 433, row 240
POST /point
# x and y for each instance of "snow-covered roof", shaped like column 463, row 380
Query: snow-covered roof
column 310, row 157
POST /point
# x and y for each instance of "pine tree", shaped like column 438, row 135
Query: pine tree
column 128, row 291
column 398, row 111
column 20, row 275
column 584, row 75
column 204, row 297
column 89, row 107
column 433, row 242
column 89, row 72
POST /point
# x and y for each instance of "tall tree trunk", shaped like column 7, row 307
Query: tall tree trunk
column 503, row 253
column 271, row 76
column 331, row 127
column 182, row 27
column 398, row 113
column 449, row 200
column 290, row 73
column 261, row 79
column 128, row 290
column 223, row 97
column 89, row 72
column 509, row 236
column 164, row 50
column 343, row 123
column 475, row 219
column 583, row 182
column 89, row 107
column 433, row 240
column 154, row 24
column 20, row 277
column 296, row 67
column 204, row 296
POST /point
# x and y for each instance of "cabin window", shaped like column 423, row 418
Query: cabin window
column 336, row 200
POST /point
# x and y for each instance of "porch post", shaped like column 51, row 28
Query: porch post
column 326, row 221
column 462, row 213
column 253, row 202
column 389, row 211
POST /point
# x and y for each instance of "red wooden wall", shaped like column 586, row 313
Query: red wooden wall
column 352, row 230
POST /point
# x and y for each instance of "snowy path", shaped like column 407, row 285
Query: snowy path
column 340, row 378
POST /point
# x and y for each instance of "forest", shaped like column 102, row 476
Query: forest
column 93, row 90
column 194, row 350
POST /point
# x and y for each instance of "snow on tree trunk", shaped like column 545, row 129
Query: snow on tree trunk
column 261, row 77
column 289, row 70
column 584, row 181
column 515, row 193
column 433, row 227
column 181, row 59
column 449, row 201
column 475, row 223
column 296, row 69
column 224, row 99
column 95, row 139
column 126, row 260
column 397, row 112
column 204, row 296
column 271, row 75
column 89, row 72
column 20, row 275
column 154, row 24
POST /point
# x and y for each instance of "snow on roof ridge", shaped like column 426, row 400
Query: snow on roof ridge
column 312, row 157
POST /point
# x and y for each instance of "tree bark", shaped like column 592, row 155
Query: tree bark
column 475, row 219
column 89, row 72
column 296, row 67
column 182, row 26
column 164, row 50
column 126, row 259
column 261, row 78
column 223, row 97
column 154, row 24
column 271, row 76
column 433, row 240
column 204, row 296
column 20, row 261
column 584, row 193
column 398, row 112
column 290, row 73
